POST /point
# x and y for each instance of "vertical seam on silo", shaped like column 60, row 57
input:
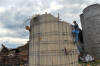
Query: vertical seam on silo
column 39, row 45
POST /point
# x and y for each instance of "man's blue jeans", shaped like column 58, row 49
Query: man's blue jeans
column 76, row 32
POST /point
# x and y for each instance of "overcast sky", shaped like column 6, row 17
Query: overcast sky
column 13, row 14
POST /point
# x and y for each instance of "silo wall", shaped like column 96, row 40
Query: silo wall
column 90, row 20
column 48, row 40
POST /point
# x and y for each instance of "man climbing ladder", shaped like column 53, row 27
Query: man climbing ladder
column 75, row 31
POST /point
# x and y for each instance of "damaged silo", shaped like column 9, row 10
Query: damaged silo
column 90, row 20
column 51, row 42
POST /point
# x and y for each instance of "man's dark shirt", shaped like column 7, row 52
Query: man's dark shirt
column 76, row 26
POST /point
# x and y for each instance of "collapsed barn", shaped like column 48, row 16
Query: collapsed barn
column 14, row 57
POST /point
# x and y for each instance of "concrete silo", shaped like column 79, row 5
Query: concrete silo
column 51, row 42
column 90, row 20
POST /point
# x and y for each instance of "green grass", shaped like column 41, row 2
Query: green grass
column 91, row 63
